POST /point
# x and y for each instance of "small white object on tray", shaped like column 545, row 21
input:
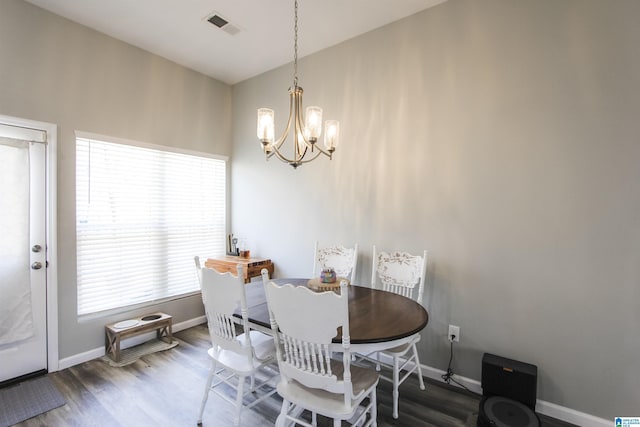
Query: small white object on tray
column 126, row 324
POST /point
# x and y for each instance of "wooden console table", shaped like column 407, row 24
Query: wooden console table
column 252, row 266
column 114, row 332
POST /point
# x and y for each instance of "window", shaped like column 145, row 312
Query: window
column 142, row 214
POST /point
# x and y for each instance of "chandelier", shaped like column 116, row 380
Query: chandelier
column 307, row 128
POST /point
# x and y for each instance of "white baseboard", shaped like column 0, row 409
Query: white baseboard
column 542, row 407
column 189, row 323
column 571, row 415
column 76, row 359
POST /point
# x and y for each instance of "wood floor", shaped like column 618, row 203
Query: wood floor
column 165, row 389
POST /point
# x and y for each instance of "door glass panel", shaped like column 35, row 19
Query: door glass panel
column 16, row 320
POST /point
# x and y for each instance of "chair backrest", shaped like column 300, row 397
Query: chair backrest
column 304, row 323
column 400, row 273
column 343, row 260
column 222, row 295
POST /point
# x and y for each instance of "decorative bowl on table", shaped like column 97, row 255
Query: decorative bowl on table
column 328, row 275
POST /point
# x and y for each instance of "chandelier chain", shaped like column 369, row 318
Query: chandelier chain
column 295, row 45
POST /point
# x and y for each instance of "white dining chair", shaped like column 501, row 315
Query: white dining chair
column 403, row 274
column 315, row 374
column 343, row 260
column 234, row 355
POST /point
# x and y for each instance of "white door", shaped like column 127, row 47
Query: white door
column 23, row 257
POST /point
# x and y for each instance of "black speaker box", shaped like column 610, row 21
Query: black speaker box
column 509, row 378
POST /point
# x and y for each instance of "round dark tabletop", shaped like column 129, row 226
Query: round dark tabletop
column 375, row 316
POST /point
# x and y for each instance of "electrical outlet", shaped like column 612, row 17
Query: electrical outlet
column 454, row 333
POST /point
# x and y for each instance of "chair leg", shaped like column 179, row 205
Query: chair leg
column 282, row 418
column 396, row 393
column 337, row 422
column 314, row 419
column 374, row 408
column 206, row 390
column 241, row 381
column 417, row 361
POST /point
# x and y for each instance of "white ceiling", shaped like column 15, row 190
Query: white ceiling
column 178, row 29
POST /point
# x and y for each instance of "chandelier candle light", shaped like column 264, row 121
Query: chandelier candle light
column 306, row 129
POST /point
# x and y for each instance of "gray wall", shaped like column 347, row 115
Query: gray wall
column 56, row 71
column 501, row 136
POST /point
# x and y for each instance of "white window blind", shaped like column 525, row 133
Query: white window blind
column 142, row 214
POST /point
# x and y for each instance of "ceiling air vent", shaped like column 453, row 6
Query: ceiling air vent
column 218, row 21
column 223, row 24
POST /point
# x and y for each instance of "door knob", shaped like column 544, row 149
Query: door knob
column 36, row 248
column 36, row 265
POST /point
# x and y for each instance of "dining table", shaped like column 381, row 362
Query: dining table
column 378, row 319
